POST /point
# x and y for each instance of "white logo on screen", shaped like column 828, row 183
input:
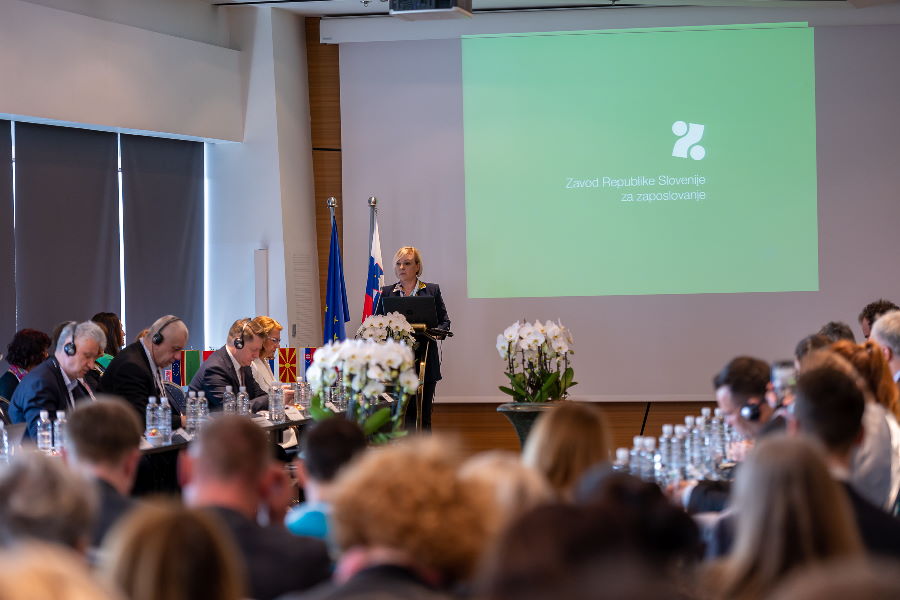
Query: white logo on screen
column 688, row 136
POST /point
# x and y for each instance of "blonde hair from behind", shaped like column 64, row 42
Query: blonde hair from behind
column 246, row 328
column 164, row 551
column 267, row 324
column 872, row 366
column 565, row 442
column 38, row 570
column 791, row 514
column 408, row 497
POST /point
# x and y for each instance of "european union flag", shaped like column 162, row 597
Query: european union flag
column 336, row 310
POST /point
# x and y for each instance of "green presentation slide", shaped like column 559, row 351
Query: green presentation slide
column 641, row 161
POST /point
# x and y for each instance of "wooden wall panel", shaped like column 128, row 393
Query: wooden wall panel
column 480, row 427
column 327, row 178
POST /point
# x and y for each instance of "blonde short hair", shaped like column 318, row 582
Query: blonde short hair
column 565, row 442
column 248, row 328
column 39, row 570
column 267, row 324
column 416, row 256
column 408, row 497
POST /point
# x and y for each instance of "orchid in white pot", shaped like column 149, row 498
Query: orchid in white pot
column 365, row 369
column 537, row 359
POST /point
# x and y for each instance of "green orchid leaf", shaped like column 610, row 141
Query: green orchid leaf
column 377, row 420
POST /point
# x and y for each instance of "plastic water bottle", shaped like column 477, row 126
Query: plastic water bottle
column 243, row 401
column 664, row 452
column 698, row 448
column 648, row 458
column 276, row 404
column 59, row 432
column 4, row 444
column 634, row 456
column 165, row 420
column 717, row 439
column 45, row 433
column 676, row 468
column 151, row 429
column 621, row 464
column 191, row 417
column 202, row 409
column 229, row 403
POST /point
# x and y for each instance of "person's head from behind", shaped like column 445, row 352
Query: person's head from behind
column 227, row 464
column 245, row 337
column 862, row 579
column 740, row 389
column 830, row 401
column 837, row 330
column 35, row 571
column 115, row 334
column 810, row 343
column 78, row 346
column 871, row 313
column 40, row 498
column 103, row 440
column 514, row 486
column 271, row 332
column 165, row 339
column 790, row 513
column 329, row 446
column 406, row 501
column 871, row 364
column 660, row 534
column 28, row 349
column 169, row 552
column 886, row 332
column 565, row 442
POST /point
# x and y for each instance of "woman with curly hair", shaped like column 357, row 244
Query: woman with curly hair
column 28, row 349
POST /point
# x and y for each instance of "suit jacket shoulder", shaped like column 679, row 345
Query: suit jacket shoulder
column 129, row 376
column 42, row 389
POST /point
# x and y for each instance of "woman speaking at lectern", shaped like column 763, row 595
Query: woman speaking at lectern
column 408, row 269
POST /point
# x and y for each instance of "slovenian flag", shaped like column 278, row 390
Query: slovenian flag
column 376, row 276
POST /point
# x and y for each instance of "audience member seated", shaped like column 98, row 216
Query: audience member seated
column 661, row 534
column 230, row 365
column 836, row 331
column 871, row 312
column 810, row 343
column 327, row 447
column 830, row 405
column 565, row 442
column 28, row 349
column 229, row 471
column 56, row 384
column 270, row 329
column 136, row 373
column 558, row 551
column 842, row 579
column 115, row 336
column 168, row 552
column 407, row 526
column 514, row 486
column 103, row 440
column 789, row 514
column 875, row 468
column 886, row 332
column 41, row 499
column 38, row 571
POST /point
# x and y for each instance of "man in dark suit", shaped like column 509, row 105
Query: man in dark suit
column 230, row 365
column 229, row 471
column 57, row 384
column 104, row 440
column 136, row 373
column 408, row 267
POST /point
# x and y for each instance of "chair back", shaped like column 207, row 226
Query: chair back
column 4, row 410
column 176, row 397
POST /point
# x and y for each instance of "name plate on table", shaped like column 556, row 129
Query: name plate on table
column 385, row 397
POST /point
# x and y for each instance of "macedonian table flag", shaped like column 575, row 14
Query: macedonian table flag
column 287, row 365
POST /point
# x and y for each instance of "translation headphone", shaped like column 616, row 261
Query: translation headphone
column 158, row 338
column 239, row 340
column 750, row 412
column 70, row 348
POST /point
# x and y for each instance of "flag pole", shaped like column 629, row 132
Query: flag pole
column 331, row 202
column 373, row 207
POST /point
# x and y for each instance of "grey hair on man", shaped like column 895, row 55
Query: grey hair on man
column 40, row 498
column 886, row 331
column 86, row 329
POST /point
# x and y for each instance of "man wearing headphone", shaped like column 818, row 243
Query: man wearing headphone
column 56, row 383
column 230, row 365
column 136, row 373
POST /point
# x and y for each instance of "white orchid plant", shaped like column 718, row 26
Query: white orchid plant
column 537, row 359
column 365, row 369
column 392, row 326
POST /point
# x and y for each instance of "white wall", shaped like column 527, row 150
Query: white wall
column 260, row 192
column 402, row 141
column 60, row 67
